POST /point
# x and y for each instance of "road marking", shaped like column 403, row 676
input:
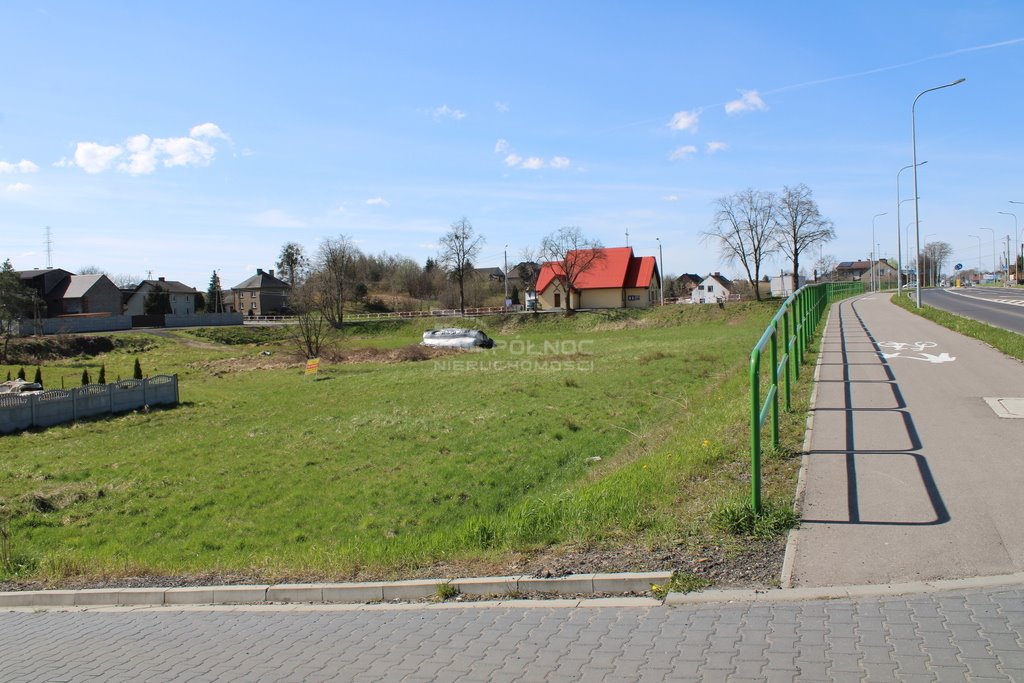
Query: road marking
column 917, row 347
column 1001, row 300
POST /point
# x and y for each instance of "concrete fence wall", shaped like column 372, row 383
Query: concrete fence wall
column 203, row 320
column 47, row 408
column 108, row 323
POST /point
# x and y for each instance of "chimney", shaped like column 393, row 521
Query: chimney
column 161, row 279
column 718, row 274
column 271, row 272
column 259, row 271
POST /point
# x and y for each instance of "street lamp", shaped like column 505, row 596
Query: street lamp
column 979, row 256
column 899, row 250
column 874, row 273
column 1016, row 243
column 505, row 278
column 902, row 234
column 993, row 250
column 913, row 140
column 661, row 270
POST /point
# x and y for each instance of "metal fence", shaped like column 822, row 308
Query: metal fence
column 47, row 408
column 786, row 341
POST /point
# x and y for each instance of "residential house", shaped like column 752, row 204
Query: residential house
column 686, row 283
column 65, row 293
column 48, row 284
column 617, row 279
column 491, row 274
column 715, row 288
column 90, row 294
column 261, row 294
column 783, row 285
column 884, row 271
column 181, row 297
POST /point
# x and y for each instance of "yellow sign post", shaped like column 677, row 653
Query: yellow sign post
column 312, row 366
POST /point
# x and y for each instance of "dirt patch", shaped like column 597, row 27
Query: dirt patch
column 35, row 350
column 405, row 354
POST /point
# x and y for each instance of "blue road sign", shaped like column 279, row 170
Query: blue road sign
column 959, row 266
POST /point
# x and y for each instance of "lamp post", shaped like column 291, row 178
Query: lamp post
column 902, row 234
column 505, row 278
column 993, row 250
column 661, row 270
column 913, row 142
column 874, row 257
column 1016, row 243
column 899, row 250
column 979, row 256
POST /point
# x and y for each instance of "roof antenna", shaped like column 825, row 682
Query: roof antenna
column 627, row 237
column 49, row 248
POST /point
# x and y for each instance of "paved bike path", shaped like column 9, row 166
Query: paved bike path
column 910, row 474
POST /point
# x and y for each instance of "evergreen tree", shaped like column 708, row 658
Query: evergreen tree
column 515, row 295
column 39, row 376
column 103, row 375
column 21, row 374
column 85, row 377
column 214, row 301
column 8, row 375
column 138, row 370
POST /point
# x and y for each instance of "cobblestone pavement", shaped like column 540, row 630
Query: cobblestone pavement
column 969, row 635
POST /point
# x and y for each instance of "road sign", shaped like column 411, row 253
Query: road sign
column 958, row 266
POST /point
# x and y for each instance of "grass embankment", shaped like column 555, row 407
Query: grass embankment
column 602, row 429
column 1010, row 343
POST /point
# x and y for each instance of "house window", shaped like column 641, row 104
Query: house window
column 558, row 300
column 700, row 287
column 711, row 288
column 253, row 294
column 253, row 305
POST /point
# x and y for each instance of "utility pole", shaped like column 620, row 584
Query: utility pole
column 661, row 271
column 505, row 276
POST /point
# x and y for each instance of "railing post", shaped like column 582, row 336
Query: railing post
column 755, row 433
column 789, row 356
column 774, row 356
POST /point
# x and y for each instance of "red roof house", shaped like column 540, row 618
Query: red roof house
column 618, row 280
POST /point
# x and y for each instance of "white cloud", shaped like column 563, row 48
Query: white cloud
column 533, row 163
column 749, row 101
column 23, row 166
column 713, row 147
column 145, row 154
column 682, row 152
column 502, row 107
column 513, row 160
column 446, row 112
column 275, row 218
column 208, row 130
column 560, row 162
column 378, row 201
column 685, row 120
column 501, row 146
column 19, row 187
column 671, row 198
column 93, row 157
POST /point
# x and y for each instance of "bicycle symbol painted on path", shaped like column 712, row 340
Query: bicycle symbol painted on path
column 894, row 349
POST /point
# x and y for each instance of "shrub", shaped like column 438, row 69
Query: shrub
column 21, row 374
column 38, row 379
column 85, row 377
column 103, row 375
column 137, row 374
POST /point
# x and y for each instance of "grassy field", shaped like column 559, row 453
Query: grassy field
column 624, row 427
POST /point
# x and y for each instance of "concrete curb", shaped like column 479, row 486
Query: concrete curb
column 338, row 593
column 846, row 592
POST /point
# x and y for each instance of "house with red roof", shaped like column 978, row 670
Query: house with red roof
column 618, row 279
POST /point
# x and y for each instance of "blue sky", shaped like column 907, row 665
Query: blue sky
column 179, row 138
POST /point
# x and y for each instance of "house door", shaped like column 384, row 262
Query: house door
column 558, row 299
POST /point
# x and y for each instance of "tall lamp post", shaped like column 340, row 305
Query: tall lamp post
column 994, row 267
column 1016, row 243
column 899, row 228
column 661, row 270
column 913, row 142
column 505, row 278
column 874, row 255
column 902, row 234
column 979, row 256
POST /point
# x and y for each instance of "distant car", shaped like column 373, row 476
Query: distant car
column 19, row 386
column 457, row 338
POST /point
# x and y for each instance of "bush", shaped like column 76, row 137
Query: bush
column 103, row 375
column 38, row 379
column 137, row 374
column 85, row 377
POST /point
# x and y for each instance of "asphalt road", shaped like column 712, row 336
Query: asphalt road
column 999, row 306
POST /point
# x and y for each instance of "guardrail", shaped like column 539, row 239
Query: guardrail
column 789, row 332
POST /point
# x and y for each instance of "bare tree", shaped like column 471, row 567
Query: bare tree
column 826, row 266
column 332, row 279
column 126, row 280
column 799, row 225
column 743, row 227
column 933, row 256
column 309, row 333
column 292, row 262
column 459, row 248
column 570, row 254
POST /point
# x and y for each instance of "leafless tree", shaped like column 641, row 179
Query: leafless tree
column 571, row 254
column 826, row 266
column 126, row 280
column 799, row 225
column 933, row 256
column 459, row 248
column 332, row 278
column 744, row 229
column 309, row 333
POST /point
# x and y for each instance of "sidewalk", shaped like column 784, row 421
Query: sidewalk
column 910, row 474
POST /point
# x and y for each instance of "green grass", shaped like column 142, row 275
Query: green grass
column 1010, row 343
column 378, row 470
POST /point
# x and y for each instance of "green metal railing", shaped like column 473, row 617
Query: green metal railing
column 786, row 340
